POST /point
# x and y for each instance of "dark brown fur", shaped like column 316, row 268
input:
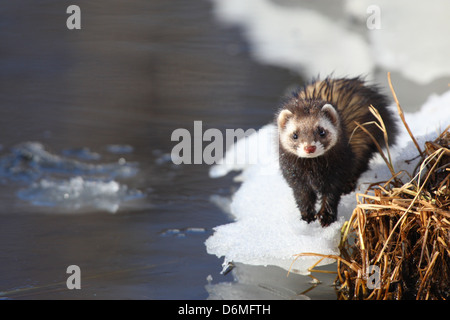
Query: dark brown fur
column 335, row 172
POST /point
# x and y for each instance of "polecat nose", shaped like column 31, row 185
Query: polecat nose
column 310, row 149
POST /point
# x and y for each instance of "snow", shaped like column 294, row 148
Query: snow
column 267, row 229
column 295, row 39
column 337, row 36
column 412, row 38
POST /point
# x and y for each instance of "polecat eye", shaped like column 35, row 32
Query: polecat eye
column 321, row 132
column 294, row 136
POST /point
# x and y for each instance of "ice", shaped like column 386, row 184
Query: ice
column 316, row 38
column 403, row 26
column 298, row 39
column 253, row 149
column 79, row 193
column 181, row 233
column 49, row 179
column 30, row 161
column 267, row 229
column 256, row 283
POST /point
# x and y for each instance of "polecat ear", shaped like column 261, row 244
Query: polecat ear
column 331, row 112
column 283, row 117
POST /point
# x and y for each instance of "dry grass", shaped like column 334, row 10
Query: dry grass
column 402, row 229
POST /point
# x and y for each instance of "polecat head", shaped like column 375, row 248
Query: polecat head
column 308, row 129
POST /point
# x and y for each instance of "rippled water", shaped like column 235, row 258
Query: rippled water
column 86, row 120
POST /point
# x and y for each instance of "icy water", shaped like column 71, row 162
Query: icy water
column 86, row 120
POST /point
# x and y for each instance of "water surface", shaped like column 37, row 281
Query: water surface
column 134, row 73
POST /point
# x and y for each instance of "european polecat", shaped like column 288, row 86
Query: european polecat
column 320, row 151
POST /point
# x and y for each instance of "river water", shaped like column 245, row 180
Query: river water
column 109, row 96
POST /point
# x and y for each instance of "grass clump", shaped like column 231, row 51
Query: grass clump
column 403, row 230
